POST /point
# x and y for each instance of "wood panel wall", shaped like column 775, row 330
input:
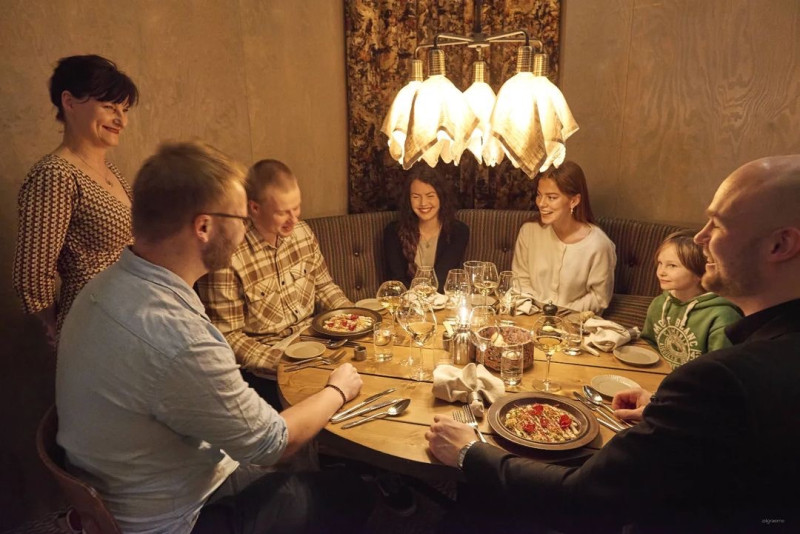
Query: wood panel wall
column 671, row 96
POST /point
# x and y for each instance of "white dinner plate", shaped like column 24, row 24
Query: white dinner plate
column 304, row 350
column 370, row 304
column 637, row 355
column 608, row 385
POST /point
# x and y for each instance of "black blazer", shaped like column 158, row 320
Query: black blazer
column 449, row 253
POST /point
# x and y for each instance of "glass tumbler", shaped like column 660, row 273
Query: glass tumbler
column 511, row 362
column 384, row 341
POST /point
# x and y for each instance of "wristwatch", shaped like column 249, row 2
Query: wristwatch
column 462, row 454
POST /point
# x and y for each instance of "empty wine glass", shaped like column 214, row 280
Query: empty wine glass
column 417, row 317
column 474, row 269
column 486, row 282
column 508, row 289
column 548, row 337
column 456, row 287
column 479, row 318
column 389, row 294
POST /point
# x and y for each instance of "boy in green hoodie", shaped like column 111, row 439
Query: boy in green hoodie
column 685, row 321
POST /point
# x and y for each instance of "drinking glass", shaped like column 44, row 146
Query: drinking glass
column 548, row 337
column 389, row 294
column 511, row 361
column 456, row 287
column 480, row 317
column 508, row 289
column 416, row 316
column 427, row 273
column 486, row 282
column 383, row 338
column 422, row 286
column 474, row 269
column 573, row 334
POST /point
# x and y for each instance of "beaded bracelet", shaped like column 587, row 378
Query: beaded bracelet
column 337, row 388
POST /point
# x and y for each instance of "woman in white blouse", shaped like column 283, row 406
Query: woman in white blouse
column 561, row 256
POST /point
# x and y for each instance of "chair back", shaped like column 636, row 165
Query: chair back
column 95, row 517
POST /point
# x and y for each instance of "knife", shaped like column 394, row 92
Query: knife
column 341, row 415
column 367, row 409
column 603, row 418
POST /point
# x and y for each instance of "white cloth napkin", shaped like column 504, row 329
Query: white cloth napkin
column 525, row 305
column 438, row 301
column 455, row 385
column 607, row 335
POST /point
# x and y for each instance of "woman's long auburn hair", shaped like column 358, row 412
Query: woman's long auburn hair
column 571, row 181
column 408, row 222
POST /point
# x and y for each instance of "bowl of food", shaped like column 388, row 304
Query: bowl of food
column 502, row 337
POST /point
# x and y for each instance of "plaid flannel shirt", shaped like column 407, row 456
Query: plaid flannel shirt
column 268, row 293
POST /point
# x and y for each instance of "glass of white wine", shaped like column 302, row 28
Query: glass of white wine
column 425, row 282
column 486, row 282
column 389, row 294
column 456, row 287
column 548, row 336
column 417, row 317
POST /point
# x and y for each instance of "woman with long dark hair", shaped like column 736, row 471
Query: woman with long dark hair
column 74, row 205
column 427, row 232
column 562, row 256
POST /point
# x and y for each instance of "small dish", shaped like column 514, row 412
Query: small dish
column 304, row 350
column 370, row 304
column 637, row 355
column 609, row 385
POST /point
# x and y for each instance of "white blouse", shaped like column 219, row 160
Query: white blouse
column 579, row 275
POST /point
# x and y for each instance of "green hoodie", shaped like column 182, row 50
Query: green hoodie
column 682, row 331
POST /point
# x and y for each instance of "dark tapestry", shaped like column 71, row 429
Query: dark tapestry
column 381, row 36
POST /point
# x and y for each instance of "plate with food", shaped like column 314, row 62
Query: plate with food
column 345, row 322
column 637, row 355
column 304, row 350
column 609, row 385
column 543, row 421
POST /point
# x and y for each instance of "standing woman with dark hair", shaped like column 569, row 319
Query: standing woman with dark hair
column 427, row 232
column 563, row 257
column 74, row 205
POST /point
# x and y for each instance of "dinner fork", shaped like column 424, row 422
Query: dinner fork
column 330, row 360
column 465, row 415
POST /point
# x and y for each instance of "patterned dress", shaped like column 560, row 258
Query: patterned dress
column 70, row 225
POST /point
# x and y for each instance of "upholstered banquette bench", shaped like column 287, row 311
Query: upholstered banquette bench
column 353, row 248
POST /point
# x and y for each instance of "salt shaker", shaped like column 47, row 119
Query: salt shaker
column 462, row 349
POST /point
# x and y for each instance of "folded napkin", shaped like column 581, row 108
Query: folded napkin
column 525, row 305
column 438, row 301
column 472, row 384
column 607, row 335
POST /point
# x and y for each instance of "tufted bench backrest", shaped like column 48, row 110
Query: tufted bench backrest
column 353, row 247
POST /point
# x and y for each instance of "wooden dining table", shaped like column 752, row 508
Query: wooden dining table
column 399, row 444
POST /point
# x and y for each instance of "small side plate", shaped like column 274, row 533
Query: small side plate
column 608, row 385
column 370, row 304
column 637, row 355
column 304, row 350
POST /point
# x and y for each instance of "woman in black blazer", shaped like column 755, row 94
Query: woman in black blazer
column 427, row 231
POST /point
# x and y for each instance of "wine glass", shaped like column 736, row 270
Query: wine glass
column 422, row 287
column 479, row 318
column 389, row 294
column 473, row 268
column 548, row 337
column 456, row 287
column 417, row 317
column 508, row 289
column 486, row 282
column 429, row 275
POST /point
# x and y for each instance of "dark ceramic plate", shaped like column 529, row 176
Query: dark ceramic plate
column 318, row 324
column 588, row 428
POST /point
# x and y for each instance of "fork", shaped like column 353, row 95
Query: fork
column 465, row 415
column 330, row 360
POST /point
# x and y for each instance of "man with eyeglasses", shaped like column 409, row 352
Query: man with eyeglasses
column 152, row 408
column 277, row 276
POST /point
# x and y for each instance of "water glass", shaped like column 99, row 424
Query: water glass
column 455, row 287
column 474, row 269
column 383, row 339
column 573, row 336
column 511, row 362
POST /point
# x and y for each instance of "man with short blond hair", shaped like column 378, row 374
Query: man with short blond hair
column 716, row 450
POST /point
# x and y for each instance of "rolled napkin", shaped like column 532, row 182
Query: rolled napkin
column 525, row 305
column 473, row 384
column 607, row 335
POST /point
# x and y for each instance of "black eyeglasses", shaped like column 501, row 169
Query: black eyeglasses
column 243, row 219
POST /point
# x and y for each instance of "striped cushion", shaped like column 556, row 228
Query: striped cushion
column 628, row 310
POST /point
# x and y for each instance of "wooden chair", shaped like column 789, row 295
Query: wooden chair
column 95, row 517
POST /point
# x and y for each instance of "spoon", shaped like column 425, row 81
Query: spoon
column 596, row 398
column 393, row 411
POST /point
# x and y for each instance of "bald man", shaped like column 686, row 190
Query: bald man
column 717, row 447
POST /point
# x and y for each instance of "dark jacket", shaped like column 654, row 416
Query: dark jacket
column 717, row 450
column 449, row 253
